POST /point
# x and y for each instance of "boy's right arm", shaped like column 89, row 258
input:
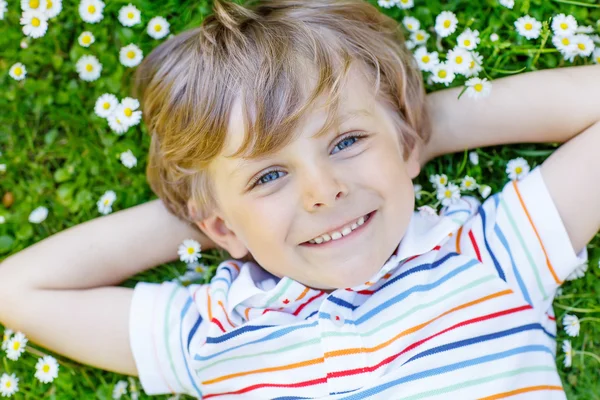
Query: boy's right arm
column 61, row 292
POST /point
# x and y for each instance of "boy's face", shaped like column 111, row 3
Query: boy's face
column 323, row 183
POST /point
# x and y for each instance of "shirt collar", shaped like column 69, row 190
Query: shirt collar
column 256, row 287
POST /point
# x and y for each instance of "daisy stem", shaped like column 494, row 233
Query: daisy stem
column 580, row 310
column 587, row 353
column 576, row 3
column 589, row 319
column 38, row 353
column 544, row 40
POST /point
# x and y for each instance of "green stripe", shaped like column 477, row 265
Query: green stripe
column 341, row 334
column 525, row 249
column 167, row 334
column 281, row 291
column 479, row 381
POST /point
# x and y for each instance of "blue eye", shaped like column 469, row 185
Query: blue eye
column 346, row 142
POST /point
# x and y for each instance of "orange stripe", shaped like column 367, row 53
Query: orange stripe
column 234, row 265
column 536, row 233
column 302, row 294
column 522, row 390
column 226, row 316
column 246, row 313
column 210, row 317
column 458, row 239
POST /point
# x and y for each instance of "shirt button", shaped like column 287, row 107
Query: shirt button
column 337, row 319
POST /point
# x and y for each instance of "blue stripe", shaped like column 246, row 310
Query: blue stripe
column 418, row 268
column 456, row 211
column 449, row 368
column 311, row 314
column 473, row 340
column 193, row 331
column 417, row 288
column 236, row 332
column 522, row 286
column 183, row 354
column 341, row 303
column 487, row 244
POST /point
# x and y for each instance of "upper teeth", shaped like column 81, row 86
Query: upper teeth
column 335, row 235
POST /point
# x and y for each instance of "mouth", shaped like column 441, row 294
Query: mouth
column 342, row 236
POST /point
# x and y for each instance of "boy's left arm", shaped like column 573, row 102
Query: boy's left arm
column 551, row 105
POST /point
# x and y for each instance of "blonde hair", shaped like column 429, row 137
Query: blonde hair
column 188, row 84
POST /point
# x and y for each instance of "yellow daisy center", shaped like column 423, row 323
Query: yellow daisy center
column 442, row 73
column 467, row 42
column 106, row 105
column 8, row 384
column 404, row 1
column 478, row 87
column 130, row 54
column 467, row 183
column 34, row 3
column 190, row 250
column 130, row 15
column 18, row 71
column 420, row 36
column 529, row 26
column 49, row 4
column 35, row 22
column 46, row 368
column 16, row 345
column 91, row 9
column 581, row 46
column 447, row 23
column 198, row 269
column 459, row 60
column 86, row 39
column 425, row 59
column 598, row 59
column 448, row 193
column 565, row 41
column 518, row 170
column 128, row 112
column 472, row 64
column 157, row 28
column 409, row 26
column 564, row 25
column 106, row 202
column 89, row 68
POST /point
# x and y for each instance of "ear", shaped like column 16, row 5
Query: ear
column 218, row 230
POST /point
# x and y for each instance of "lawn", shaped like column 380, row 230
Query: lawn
column 56, row 152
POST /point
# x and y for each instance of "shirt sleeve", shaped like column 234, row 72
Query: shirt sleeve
column 521, row 236
column 164, row 324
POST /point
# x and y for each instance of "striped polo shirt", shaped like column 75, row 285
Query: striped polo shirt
column 462, row 309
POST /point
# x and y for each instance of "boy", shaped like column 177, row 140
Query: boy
column 348, row 293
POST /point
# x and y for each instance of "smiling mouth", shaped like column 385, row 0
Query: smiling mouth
column 349, row 230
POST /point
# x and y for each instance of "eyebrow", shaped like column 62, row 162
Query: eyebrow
column 347, row 116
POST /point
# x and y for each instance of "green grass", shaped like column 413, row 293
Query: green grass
column 59, row 154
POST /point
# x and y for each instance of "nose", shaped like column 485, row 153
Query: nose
column 322, row 186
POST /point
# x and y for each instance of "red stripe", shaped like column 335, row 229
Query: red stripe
column 216, row 321
column 475, row 245
column 308, row 302
column 420, row 342
column 262, row 385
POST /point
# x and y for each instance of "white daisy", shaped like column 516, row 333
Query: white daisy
column 6, row 337
column 459, row 60
column 427, row 211
column 35, row 5
column 578, row 272
column 133, row 390
column 129, row 15
column 476, row 64
column 426, row 60
column 53, row 8
column 419, row 36
column 38, row 215
column 445, row 23
column 568, row 352
column 494, row 37
column 46, row 369
column 126, row 111
column 9, row 384
column 24, row 44
column 2, row 219
column 478, row 88
column 438, row 180
column 405, row 4
column 2, row 167
column 507, row 3
column 116, row 125
column 468, row 39
column 528, row 27
column 89, row 68
column 17, row 71
column 197, row 267
column 106, row 105
column 468, row 183
column 517, row 168
column 564, row 25
column 449, row 194
column 411, row 23
column 106, row 201
column 583, row 45
column 585, row 29
column 410, row 44
column 3, row 8
column 474, row 158
column 571, row 324
column 597, row 56
column 485, row 191
column 417, row 189
column 189, row 251
column 130, row 55
column 91, row 11
column 442, row 73
column 566, row 46
column 35, row 23
column 16, row 346
column 120, row 389
column 128, row 159
column 86, row 39
column 158, row 28
column 386, row 3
